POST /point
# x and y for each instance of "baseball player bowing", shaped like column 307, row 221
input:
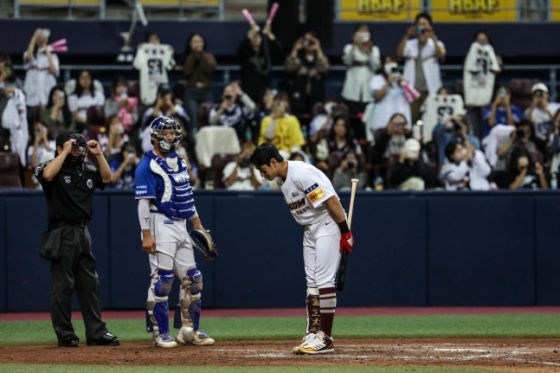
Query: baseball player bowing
column 315, row 205
column 165, row 202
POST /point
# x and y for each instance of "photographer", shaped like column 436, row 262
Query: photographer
column 388, row 96
column 309, row 66
column 123, row 165
column 235, row 110
column 454, row 128
column 350, row 168
column 465, row 168
column 241, row 174
column 501, row 111
column 520, row 138
column 522, row 173
column 411, row 172
column 390, row 142
column 422, row 52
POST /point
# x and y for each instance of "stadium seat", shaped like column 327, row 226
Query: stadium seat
column 521, row 92
column 9, row 171
column 459, row 88
column 219, row 162
column 96, row 116
column 204, row 114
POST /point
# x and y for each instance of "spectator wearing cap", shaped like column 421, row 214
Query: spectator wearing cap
column 541, row 112
column 163, row 106
column 501, row 111
column 411, row 172
column 465, row 168
column 422, row 52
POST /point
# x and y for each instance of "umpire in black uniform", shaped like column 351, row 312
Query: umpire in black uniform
column 68, row 183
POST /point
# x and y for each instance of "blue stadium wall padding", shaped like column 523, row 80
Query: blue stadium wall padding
column 3, row 255
column 547, row 241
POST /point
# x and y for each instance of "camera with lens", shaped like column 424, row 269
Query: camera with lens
column 228, row 97
column 308, row 42
column 457, row 126
column 539, row 93
column 351, row 165
column 520, row 133
column 246, row 161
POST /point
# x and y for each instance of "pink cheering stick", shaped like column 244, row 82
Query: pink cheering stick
column 272, row 13
column 249, row 18
column 59, row 46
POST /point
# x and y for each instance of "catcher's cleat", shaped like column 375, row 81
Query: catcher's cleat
column 309, row 337
column 188, row 336
column 165, row 341
column 321, row 344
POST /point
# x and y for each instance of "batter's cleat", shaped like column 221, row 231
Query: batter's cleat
column 165, row 341
column 321, row 344
column 309, row 337
column 188, row 336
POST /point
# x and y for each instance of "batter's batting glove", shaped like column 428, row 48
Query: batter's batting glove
column 346, row 242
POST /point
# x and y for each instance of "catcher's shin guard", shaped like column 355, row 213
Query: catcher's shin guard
column 161, row 289
column 313, row 308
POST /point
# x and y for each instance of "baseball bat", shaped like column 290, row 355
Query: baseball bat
column 341, row 274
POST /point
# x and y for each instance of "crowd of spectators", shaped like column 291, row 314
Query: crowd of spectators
column 393, row 126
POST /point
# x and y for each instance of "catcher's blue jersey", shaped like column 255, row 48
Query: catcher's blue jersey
column 168, row 188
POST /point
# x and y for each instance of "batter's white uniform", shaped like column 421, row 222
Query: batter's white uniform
column 306, row 189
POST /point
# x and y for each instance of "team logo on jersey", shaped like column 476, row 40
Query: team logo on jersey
column 68, row 179
column 89, row 183
column 314, row 193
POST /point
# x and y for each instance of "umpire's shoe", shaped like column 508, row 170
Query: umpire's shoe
column 70, row 341
column 107, row 339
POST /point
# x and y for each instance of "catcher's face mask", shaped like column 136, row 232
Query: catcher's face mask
column 166, row 131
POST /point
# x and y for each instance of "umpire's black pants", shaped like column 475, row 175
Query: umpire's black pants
column 75, row 269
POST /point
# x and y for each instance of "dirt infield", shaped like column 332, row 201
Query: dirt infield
column 512, row 355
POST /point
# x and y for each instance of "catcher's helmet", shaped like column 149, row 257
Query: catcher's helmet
column 161, row 124
column 80, row 143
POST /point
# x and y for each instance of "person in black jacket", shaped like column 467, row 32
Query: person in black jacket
column 309, row 66
column 256, row 54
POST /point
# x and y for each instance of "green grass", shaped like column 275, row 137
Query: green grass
column 40, row 332
column 13, row 368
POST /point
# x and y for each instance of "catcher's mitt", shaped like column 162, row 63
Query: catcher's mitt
column 202, row 241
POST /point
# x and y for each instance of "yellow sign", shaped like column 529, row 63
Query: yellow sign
column 555, row 10
column 473, row 10
column 379, row 10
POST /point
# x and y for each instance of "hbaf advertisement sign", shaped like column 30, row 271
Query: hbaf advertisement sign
column 379, row 10
column 473, row 10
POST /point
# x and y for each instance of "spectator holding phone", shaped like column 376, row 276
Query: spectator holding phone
column 362, row 59
column 422, row 51
column 241, row 174
column 454, row 128
column 501, row 111
column 541, row 112
column 123, row 165
column 235, row 110
column 281, row 128
column 411, row 172
column 350, row 168
column 522, row 173
column 520, row 138
column 309, row 66
column 388, row 96
column 43, row 147
column 42, row 68
column 122, row 104
column 465, row 167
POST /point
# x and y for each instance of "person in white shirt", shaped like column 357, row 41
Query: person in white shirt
column 42, row 69
column 42, row 150
column 85, row 95
column 313, row 203
column 388, row 96
column 363, row 59
column 422, row 54
column 541, row 112
column 241, row 174
column 465, row 168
